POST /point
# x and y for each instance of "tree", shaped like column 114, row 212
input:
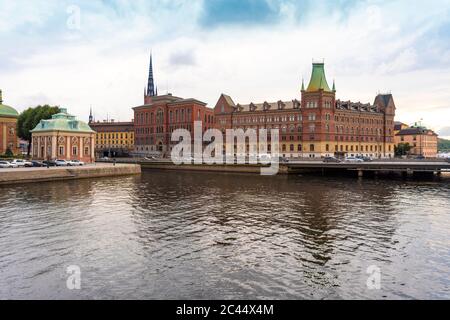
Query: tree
column 402, row 149
column 9, row 153
column 444, row 145
column 30, row 118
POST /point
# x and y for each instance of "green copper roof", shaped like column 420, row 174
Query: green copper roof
column 63, row 122
column 318, row 79
column 7, row 111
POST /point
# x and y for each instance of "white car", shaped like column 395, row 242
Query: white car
column 353, row 159
column 6, row 164
column 18, row 163
column 75, row 163
column 61, row 163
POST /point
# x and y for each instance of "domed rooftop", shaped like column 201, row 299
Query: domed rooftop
column 63, row 122
column 7, row 111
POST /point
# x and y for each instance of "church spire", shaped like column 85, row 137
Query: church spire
column 303, row 84
column 151, row 80
column 91, row 118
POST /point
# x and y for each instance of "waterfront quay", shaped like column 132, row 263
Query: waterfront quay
column 392, row 166
column 29, row 175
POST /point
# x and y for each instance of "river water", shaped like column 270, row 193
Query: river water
column 172, row 235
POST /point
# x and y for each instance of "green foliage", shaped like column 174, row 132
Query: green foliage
column 444, row 145
column 402, row 149
column 30, row 118
column 9, row 153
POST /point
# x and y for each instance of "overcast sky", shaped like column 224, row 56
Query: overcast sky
column 84, row 53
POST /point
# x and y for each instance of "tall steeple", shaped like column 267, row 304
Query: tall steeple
column 91, row 117
column 151, row 80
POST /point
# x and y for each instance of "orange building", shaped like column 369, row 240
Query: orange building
column 423, row 142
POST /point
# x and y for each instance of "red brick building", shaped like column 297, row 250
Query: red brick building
column 318, row 125
column 160, row 115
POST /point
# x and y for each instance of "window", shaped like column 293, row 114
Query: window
column 61, row 151
column 311, row 148
column 74, row 151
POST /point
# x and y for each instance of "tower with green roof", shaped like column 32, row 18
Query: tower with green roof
column 8, row 127
column 318, row 109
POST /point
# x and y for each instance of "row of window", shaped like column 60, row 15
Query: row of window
column 299, row 117
column 61, row 151
column 115, row 135
column 113, row 142
column 182, row 115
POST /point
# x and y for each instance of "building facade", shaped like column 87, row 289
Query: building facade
column 63, row 137
column 317, row 125
column 113, row 139
column 160, row 115
column 423, row 142
column 8, row 128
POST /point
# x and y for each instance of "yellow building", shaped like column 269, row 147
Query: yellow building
column 113, row 139
column 8, row 128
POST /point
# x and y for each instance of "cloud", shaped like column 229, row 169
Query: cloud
column 253, row 50
column 444, row 132
column 183, row 58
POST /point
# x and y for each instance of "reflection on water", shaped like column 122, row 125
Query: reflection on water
column 217, row 236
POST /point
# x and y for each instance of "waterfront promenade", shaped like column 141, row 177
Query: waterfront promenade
column 29, row 175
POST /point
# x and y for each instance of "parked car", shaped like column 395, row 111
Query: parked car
column 353, row 159
column 50, row 163
column 37, row 164
column 61, row 163
column 365, row 159
column 284, row 160
column 28, row 164
column 5, row 164
column 19, row 163
column 420, row 157
column 75, row 163
column 331, row 160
